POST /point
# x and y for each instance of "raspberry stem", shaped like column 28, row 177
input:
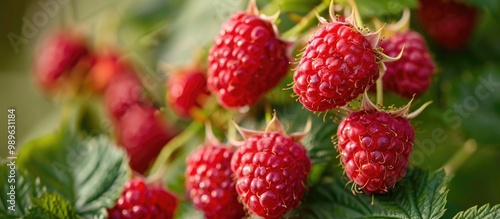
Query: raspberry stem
column 380, row 91
column 74, row 12
column 460, row 157
column 307, row 21
column 158, row 168
column 269, row 113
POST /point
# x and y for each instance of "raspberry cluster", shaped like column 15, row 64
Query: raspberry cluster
column 265, row 174
column 140, row 128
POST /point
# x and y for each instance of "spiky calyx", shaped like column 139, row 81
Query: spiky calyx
column 270, row 170
column 409, row 76
column 139, row 200
column 247, row 59
column 375, row 146
column 209, row 181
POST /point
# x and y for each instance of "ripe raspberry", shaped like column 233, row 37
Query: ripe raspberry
column 106, row 66
column 337, row 65
column 187, row 90
column 143, row 133
column 412, row 73
column 247, row 60
column 270, row 171
column 57, row 56
column 375, row 146
column 209, row 182
column 139, row 201
column 448, row 23
column 124, row 91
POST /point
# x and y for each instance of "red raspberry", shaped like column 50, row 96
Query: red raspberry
column 139, row 201
column 57, row 56
column 247, row 60
column 106, row 66
column 209, row 182
column 411, row 74
column 337, row 65
column 448, row 23
column 270, row 171
column 124, row 91
column 143, row 133
column 375, row 146
column 187, row 90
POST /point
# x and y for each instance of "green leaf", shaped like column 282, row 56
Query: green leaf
column 484, row 212
column 420, row 194
column 24, row 188
column 89, row 173
column 53, row 206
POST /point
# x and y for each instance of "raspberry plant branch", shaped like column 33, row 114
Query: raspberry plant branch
column 307, row 21
column 159, row 165
column 74, row 11
column 380, row 89
column 460, row 157
column 172, row 146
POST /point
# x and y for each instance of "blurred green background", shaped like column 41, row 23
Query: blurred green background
column 175, row 31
